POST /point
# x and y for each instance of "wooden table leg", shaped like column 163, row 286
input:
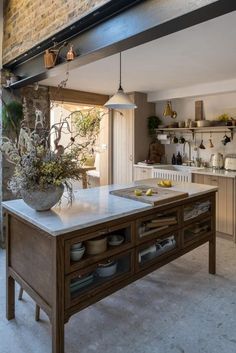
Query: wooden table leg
column 57, row 336
column 10, row 298
column 84, row 180
column 212, row 256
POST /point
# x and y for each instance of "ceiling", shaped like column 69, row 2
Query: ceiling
column 201, row 54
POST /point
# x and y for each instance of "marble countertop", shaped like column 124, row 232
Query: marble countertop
column 206, row 171
column 216, row 172
column 92, row 206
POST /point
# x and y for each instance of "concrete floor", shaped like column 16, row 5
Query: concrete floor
column 177, row 309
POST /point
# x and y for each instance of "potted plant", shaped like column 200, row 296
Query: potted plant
column 12, row 115
column 43, row 171
column 153, row 122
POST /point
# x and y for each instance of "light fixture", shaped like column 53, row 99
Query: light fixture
column 168, row 111
column 120, row 100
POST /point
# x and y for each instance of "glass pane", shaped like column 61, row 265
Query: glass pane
column 158, row 223
column 160, row 247
column 196, row 209
column 101, row 274
column 197, row 229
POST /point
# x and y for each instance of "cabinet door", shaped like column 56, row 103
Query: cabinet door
column 224, row 203
column 198, row 178
column 142, row 173
column 123, row 145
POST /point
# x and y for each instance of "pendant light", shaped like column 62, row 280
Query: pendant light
column 120, row 100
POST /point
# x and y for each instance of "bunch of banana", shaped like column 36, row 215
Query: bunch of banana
column 165, row 183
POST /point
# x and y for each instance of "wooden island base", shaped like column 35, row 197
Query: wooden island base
column 40, row 262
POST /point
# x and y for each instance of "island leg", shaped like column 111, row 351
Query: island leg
column 57, row 336
column 212, row 255
column 10, row 298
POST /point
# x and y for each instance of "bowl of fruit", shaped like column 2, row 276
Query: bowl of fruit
column 165, row 183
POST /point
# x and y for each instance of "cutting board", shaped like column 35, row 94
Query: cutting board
column 160, row 195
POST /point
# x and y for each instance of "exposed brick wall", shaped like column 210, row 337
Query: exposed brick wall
column 28, row 22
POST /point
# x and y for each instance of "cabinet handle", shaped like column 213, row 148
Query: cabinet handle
column 131, row 157
column 144, row 171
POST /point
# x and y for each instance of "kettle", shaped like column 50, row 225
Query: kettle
column 217, row 160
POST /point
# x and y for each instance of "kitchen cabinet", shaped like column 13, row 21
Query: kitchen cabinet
column 141, row 173
column 130, row 137
column 225, row 199
column 62, row 287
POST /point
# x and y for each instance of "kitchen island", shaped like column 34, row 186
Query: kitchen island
column 39, row 246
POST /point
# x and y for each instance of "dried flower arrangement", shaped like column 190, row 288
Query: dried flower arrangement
column 37, row 164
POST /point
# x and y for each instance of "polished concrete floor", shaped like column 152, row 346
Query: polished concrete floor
column 177, row 309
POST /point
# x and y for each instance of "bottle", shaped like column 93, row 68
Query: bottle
column 179, row 159
column 173, row 160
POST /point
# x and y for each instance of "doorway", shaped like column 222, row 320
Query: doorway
column 90, row 124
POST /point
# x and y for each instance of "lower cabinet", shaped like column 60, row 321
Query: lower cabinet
column 224, row 201
column 141, row 173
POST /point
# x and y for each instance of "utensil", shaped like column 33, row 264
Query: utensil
column 77, row 254
column 210, row 142
column 116, row 239
column 182, row 140
column 226, row 139
column 107, row 269
column 203, row 123
column 175, row 139
column 201, row 146
column 195, row 148
column 96, row 246
column 217, row 160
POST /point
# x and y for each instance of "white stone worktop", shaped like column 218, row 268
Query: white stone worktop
column 92, row 206
column 216, row 172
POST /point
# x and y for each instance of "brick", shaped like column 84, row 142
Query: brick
column 31, row 22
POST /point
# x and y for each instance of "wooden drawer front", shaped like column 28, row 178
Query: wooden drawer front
column 156, row 250
column 196, row 231
column 197, row 210
column 126, row 230
column 162, row 222
column 142, row 173
column 89, row 281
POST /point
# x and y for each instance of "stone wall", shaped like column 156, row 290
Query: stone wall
column 27, row 23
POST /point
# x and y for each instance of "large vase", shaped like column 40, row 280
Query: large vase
column 42, row 199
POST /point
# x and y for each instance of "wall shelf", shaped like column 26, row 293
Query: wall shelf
column 196, row 130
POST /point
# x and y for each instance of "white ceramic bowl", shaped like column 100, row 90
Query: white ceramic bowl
column 106, row 270
column 77, row 254
column 116, row 239
column 76, row 246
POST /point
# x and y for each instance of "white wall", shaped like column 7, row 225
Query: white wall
column 214, row 105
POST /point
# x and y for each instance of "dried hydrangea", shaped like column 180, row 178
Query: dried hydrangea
column 37, row 165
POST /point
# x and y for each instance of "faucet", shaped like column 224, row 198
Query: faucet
column 189, row 161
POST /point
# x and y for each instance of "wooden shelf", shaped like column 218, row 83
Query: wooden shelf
column 195, row 130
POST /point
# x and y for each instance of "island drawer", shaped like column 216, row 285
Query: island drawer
column 196, row 231
column 90, row 281
column 197, row 210
column 157, row 224
column 157, row 249
column 91, row 248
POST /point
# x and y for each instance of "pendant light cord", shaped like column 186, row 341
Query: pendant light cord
column 120, row 88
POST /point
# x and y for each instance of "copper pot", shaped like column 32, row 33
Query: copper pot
column 49, row 59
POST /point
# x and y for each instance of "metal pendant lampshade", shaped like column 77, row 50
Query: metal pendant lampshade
column 120, row 100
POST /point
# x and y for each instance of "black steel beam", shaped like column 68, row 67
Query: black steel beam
column 145, row 21
column 100, row 14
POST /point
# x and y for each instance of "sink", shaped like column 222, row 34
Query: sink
column 178, row 168
column 179, row 173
